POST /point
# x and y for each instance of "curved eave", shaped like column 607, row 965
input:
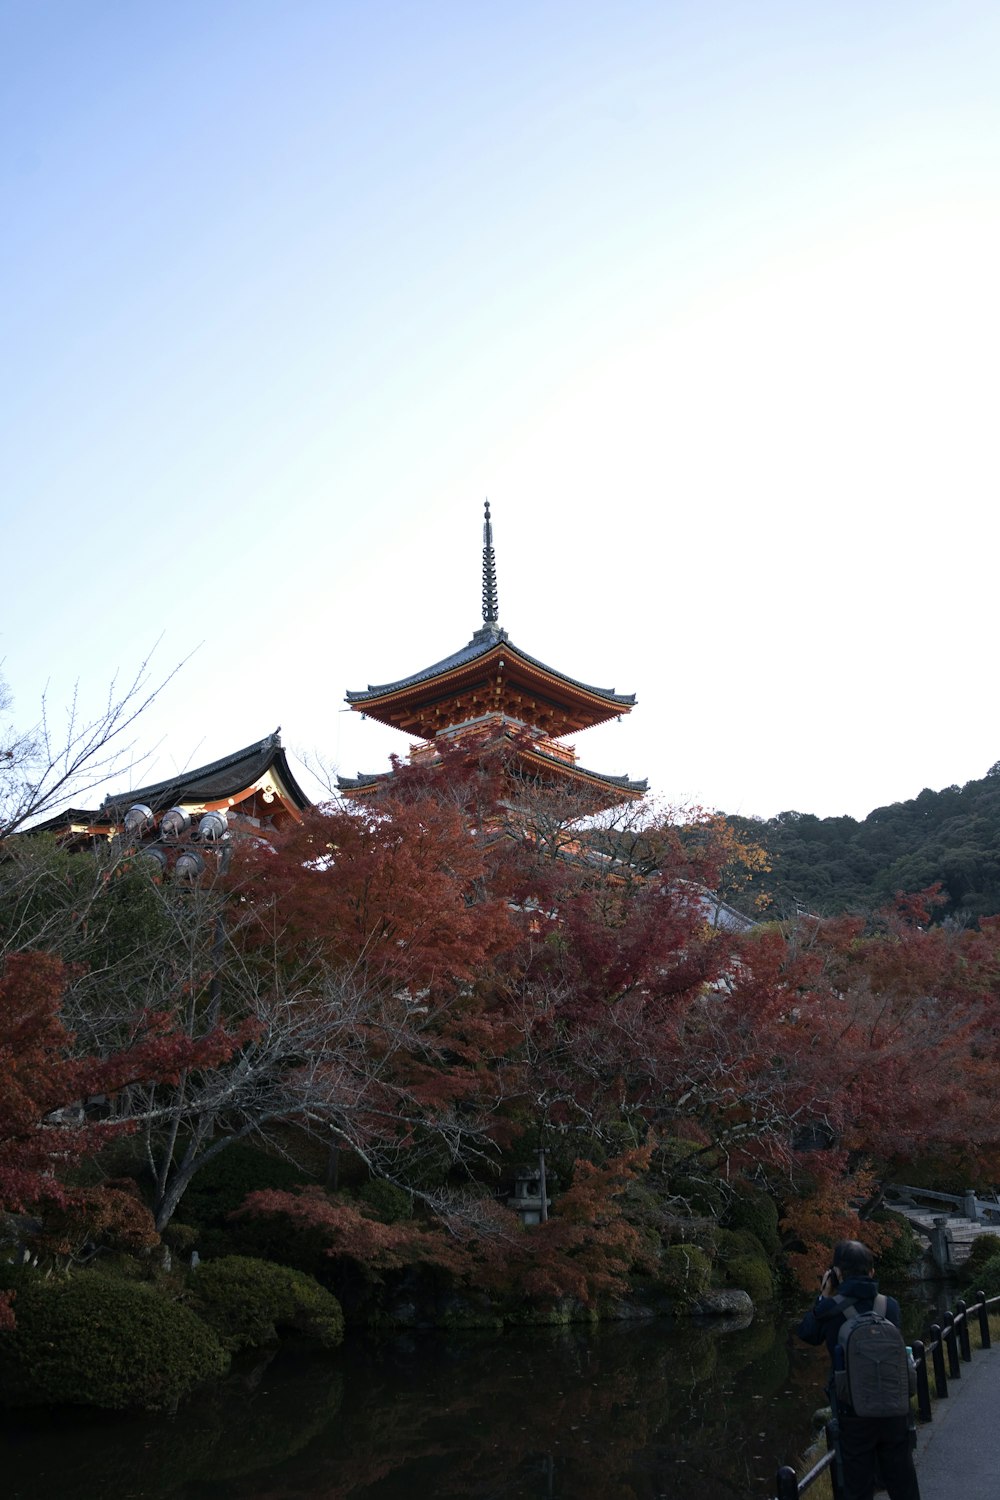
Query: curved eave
column 621, row 786
column 224, row 782
column 362, row 785
column 392, row 702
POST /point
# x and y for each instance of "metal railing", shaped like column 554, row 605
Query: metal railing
column 949, row 1346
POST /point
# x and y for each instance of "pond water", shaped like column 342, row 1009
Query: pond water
column 617, row 1412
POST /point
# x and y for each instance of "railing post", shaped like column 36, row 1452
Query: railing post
column 924, row 1411
column 962, row 1323
column 940, row 1248
column 951, row 1341
column 836, row 1471
column 787, row 1483
column 937, row 1354
column 984, row 1321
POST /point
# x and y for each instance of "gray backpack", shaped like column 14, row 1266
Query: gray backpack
column 872, row 1370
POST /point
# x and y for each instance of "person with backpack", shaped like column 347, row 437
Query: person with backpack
column 871, row 1377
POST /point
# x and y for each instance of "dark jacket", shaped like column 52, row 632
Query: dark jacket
column 823, row 1322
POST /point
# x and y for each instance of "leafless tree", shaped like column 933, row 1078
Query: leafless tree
column 45, row 767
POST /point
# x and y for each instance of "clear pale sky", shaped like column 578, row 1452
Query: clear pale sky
column 703, row 296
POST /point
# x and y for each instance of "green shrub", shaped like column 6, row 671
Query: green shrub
column 222, row 1184
column 753, row 1274
column 677, row 1153
column 986, row 1277
column 704, row 1196
column 392, row 1204
column 95, row 1340
column 274, row 1237
column 752, row 1209
column 250, row 1302
column 181, row 1238
column 685, row 1270
column 896, row 1259
column 984, row 1247
column 732, row 1242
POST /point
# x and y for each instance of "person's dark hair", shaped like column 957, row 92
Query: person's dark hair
column 852, row 1258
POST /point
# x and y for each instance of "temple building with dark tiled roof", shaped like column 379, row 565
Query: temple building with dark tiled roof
column 493, row 689
column 173, row 821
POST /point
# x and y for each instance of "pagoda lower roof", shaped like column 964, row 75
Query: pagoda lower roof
column 367, row 781
column 227, row 777
column 592, row 704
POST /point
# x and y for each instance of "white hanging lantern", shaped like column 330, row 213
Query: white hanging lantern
column 213, row 826
column 154, row 861
column 174, row 822
column 189, row 867
column 138, row 818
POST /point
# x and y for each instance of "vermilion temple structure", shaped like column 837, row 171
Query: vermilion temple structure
column 493, row 690
column 251, row 790
column 490, row 691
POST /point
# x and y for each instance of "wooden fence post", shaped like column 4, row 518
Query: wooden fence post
column 924, row 1411
column 787, row 1483
column 984, row 1321
column 937, row 1353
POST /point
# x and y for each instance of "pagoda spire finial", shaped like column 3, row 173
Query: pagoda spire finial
column 490, row 610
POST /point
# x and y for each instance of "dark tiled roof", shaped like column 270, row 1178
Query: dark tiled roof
column 223, row 778
column 363, row 779
column 622, row 783
column 482, row 642
column 64, row 819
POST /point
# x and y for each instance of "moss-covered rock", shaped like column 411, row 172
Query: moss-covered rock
column 252, row 1302
column 726, row 1302
column 96, row 1340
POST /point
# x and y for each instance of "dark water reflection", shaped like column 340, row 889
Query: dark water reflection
column 621, row 1412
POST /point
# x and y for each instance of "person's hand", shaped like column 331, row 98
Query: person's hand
column 828, row 1285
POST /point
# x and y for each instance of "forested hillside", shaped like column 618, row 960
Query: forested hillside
column 828, row 865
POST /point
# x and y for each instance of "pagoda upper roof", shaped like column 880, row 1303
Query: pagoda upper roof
column 489, row 673
column 221, row 779
column 593, row 704
column 482, row 643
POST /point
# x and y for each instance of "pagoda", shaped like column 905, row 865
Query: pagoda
column 491, row 691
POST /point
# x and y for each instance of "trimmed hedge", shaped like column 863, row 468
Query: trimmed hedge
column 983, row 1248
column 986, row 1277
column 752, row 1274
column 392, row 1204
column 894, row 1261
column 250, row 1302
column 733, row 1242
column 95, row 1340
column 685, row 1270
column 753, row 1209
column 223, row 1183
